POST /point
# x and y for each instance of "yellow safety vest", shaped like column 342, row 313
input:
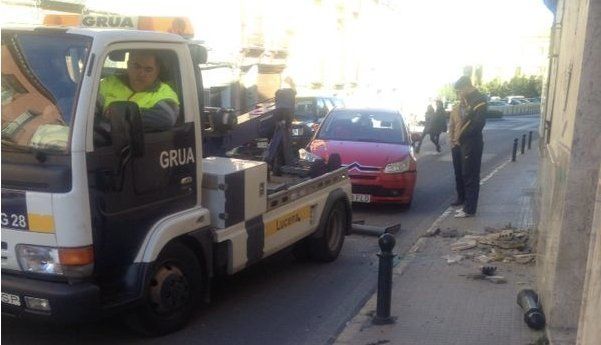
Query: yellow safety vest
column 113, row 89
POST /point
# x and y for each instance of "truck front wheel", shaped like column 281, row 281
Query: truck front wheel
column 171, row 294
column 327, row 247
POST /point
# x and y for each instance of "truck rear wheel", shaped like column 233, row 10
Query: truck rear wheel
column 327, row 247
column 171, row 294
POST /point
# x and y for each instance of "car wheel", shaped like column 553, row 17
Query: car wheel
column 327, row 247
column 171, row 293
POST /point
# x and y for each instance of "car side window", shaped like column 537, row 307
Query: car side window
column 322, row 110
column 151, row 79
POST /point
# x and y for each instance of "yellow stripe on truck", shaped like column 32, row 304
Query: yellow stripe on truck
column 287, row 220
column 40, row 223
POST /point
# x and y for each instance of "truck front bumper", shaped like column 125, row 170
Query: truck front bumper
column 68, row 303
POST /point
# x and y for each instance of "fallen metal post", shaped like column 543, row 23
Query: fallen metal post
column 533, row 313
column 372, row 230
column 383, row 317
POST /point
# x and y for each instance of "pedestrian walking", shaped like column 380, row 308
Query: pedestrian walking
column 455, row 120
column 428, row 129
column 439, row 124
column 471, row 143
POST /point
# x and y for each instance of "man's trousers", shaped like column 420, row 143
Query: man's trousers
column 471, row 159
column 456, row 154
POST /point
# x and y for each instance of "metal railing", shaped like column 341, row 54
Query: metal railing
column 518, row 109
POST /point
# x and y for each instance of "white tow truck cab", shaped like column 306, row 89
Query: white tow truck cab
column 100, row 215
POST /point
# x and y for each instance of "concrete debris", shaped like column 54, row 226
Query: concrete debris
column 452, row 259
column 524, row 258
column 449, row 233
column 432, row 232
column 463, row 245
column 482, row 258
column 495, row 255
column 505, row 244
column 506, row 239
column 496, row 279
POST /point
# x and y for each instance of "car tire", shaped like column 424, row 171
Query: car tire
column 327, row 247
column 171, row 293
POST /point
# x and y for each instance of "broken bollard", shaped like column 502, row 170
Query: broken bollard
column 383, row 317
column 533, row 312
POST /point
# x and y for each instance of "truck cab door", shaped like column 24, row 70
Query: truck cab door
column 129, row 193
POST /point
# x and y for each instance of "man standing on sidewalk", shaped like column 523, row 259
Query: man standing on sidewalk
column 455, row 120
column 471, row 143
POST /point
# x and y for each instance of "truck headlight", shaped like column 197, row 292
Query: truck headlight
column 398, row 167
column 69, row 262
column 39, row 259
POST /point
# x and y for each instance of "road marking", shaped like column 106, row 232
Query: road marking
column 528, row 126
column 489, row 176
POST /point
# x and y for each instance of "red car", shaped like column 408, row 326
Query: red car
column 376, row 147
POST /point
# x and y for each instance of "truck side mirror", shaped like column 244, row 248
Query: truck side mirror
column 126, row 127
column 199, row 54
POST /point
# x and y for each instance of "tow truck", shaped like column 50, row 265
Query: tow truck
column 99, row 221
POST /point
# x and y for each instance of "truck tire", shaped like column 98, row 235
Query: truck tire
column 327, row 247
column 171, row 294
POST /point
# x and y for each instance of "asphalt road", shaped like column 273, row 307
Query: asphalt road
column 285, row 302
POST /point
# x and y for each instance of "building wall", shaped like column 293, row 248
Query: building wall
column 589, row 332
column 570, row 167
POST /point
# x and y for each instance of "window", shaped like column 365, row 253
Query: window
column 367, row 126
column 149, row 78
column 41, row 73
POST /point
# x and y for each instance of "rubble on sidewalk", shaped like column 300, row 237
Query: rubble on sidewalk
column 505, row 245
column 451, row 259
column 495, row 245
column 463, row 245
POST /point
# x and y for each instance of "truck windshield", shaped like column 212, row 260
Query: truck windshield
column 41, row 73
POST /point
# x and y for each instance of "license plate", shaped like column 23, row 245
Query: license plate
column 14, row 210
column 262, row 144
column 11, row 299
column 297, row 131
column 365, row 198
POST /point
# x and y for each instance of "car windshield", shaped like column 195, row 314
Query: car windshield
column 364, row 125
column 41, row 74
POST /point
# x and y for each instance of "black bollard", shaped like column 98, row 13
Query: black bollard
column 529, row 140
column 533, row 313
column 383, row 317
column 515, row 149
column 523, row 143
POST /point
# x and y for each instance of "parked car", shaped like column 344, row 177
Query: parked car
column 309, row 113
column 375, row 146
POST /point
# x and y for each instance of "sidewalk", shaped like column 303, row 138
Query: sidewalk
column 434, row 302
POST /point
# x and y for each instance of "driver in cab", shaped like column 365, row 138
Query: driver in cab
column 158, row 103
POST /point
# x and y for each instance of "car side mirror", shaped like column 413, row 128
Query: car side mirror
column 126, row 127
